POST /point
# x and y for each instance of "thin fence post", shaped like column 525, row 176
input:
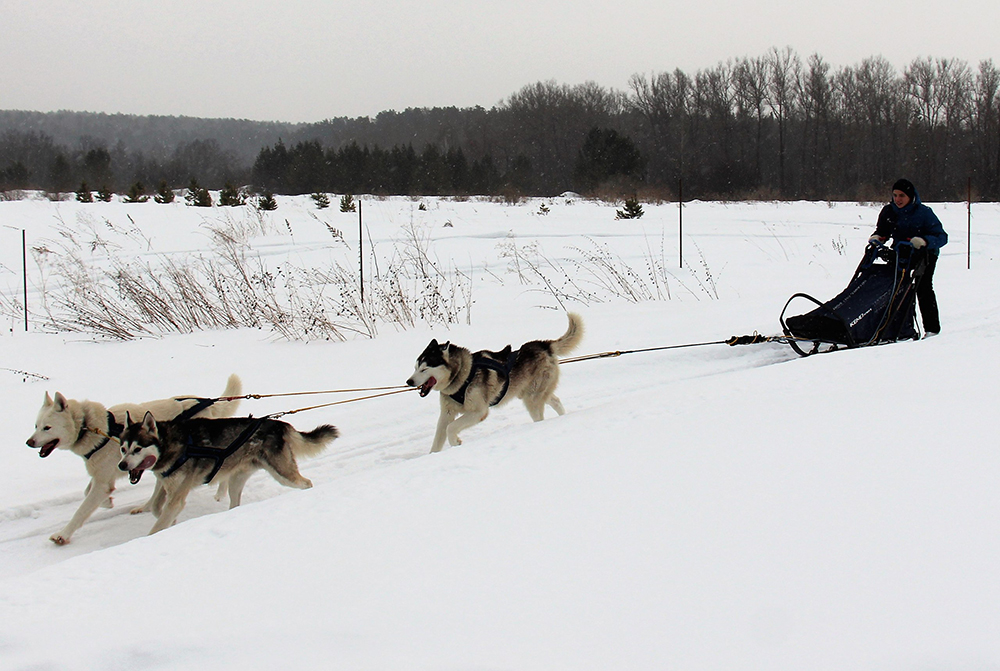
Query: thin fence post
column 24, row 273
column 968, row 231
column 361, row 254
column 680, row 222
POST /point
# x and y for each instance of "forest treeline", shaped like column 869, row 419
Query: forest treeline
column 775, row 126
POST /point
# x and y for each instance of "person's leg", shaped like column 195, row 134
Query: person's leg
column 926, row 298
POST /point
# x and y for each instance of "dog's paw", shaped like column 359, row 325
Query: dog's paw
column 108, row 503
column 454, row 441
column 137, row 511
column 59, row 539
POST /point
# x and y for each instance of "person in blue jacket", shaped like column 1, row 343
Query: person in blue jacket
column 907, row 219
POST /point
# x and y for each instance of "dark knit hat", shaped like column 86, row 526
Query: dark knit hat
column 906, row 186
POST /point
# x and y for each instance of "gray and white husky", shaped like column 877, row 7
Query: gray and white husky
column 84, row 428
column 186, row 453
column 470, row 383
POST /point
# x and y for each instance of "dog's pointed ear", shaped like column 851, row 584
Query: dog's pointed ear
column 149, row 423
column 433, row 343
column 48, row 400
column 128, row 419
column 445, row 346
column 505, row 352
column 60, row 402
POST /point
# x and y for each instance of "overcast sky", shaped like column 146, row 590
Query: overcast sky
column 289, row 60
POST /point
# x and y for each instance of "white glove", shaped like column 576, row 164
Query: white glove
column 918, row 242
column 876, row 238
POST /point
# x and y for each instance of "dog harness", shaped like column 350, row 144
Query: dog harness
column 480, row 361
column 192, row 451
column 114, row 430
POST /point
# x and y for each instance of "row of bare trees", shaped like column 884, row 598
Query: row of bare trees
column 770, row 126
column 777, row 126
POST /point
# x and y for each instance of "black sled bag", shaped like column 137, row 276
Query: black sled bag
column 877, row 306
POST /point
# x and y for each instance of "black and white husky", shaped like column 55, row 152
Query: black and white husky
column 187, row 453
column 90, row 430
column 470, row 383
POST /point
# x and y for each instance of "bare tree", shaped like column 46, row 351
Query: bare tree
column 784, row 67
column 750, row 78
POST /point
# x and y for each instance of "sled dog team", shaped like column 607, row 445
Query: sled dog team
column 187, row 441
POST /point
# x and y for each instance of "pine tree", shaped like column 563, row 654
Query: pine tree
column 164, row 194
column 322, row 200
column 266, row 202
column 230, row 196
column 105, row 194
column 83, row 194
column 197, row 196
column 137, row 194
column 347, row 203
column 632, row 209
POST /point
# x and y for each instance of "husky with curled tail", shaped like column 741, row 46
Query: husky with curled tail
column 471, row 383
column 90, row 430
column 185, row 453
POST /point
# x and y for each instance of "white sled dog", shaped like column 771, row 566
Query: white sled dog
column 185, row 453
column 471, row 383
column 83, row 427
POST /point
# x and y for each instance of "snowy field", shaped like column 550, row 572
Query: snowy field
column 702, row 508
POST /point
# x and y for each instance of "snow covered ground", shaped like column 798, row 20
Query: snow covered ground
column 706, row 508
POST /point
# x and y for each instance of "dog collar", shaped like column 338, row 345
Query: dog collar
column 114, row 430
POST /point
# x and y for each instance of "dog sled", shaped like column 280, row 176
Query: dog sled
column 878, row 306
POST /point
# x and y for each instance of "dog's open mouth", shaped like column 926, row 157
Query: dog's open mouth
column 48, row 448
column 135, row 474
column 427, row 387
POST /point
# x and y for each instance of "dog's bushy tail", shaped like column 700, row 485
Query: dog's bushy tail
column 571, row 339
column 313, row 442
column 234, row 387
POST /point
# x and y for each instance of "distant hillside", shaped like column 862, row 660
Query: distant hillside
column 154, row 136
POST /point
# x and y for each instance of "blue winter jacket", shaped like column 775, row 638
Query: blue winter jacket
column 914, row 220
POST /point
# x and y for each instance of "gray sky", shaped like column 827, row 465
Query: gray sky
column 288, row 60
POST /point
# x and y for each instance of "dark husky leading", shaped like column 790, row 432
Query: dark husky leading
column 185, row 454
column 471, row 383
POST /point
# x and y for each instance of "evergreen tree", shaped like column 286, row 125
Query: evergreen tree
column 347, row 203
column 266, row 202
column 164, row 194
column 83, row 194
column 322, row 200
column 230, row 196
column 61, row 174
column 14, row 176
column 137, row 194
column 104, row 194
column 606, row 154
column 197, row 196
column 632, row 209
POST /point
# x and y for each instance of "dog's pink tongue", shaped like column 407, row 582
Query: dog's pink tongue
column 136, row 473
column 426, row 387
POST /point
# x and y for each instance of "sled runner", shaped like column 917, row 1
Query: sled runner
column 878, row 306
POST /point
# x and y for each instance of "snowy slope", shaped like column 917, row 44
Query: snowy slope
column 703, row 508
